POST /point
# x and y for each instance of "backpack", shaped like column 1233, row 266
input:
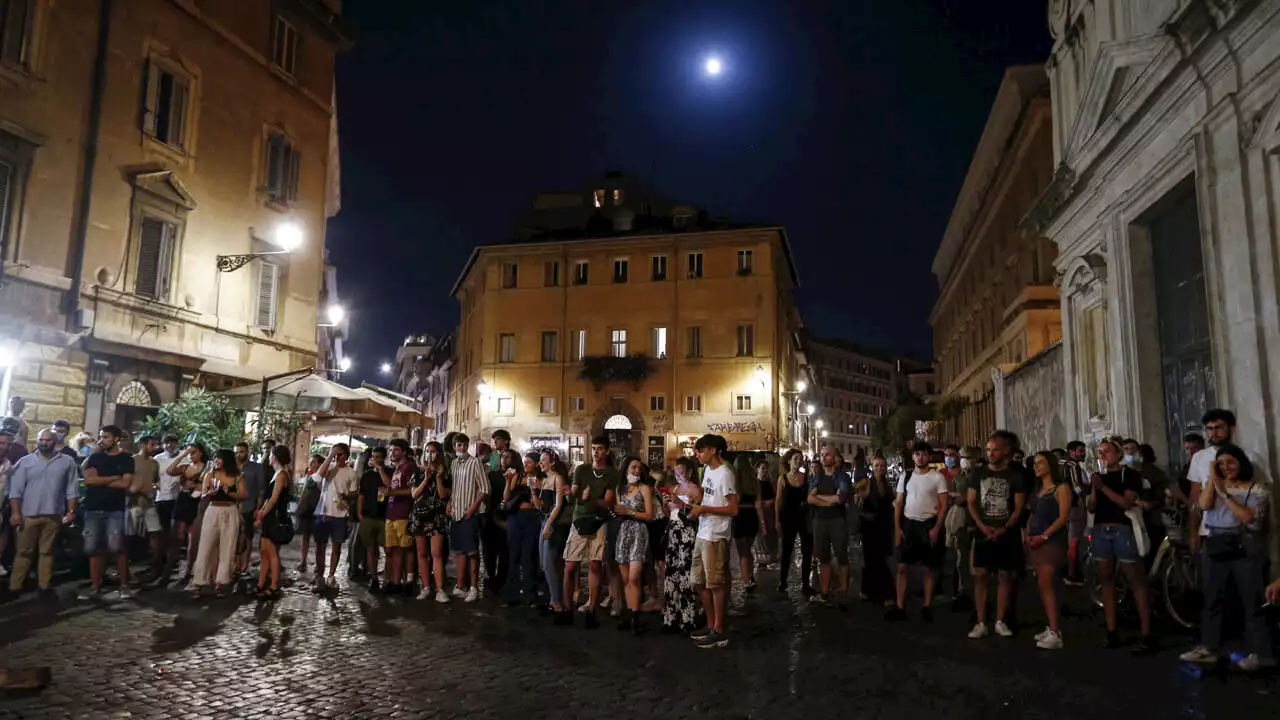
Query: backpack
column 308, row 499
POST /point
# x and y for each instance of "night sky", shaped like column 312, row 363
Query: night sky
column 851, row 122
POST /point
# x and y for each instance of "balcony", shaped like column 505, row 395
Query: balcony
column 601, row 370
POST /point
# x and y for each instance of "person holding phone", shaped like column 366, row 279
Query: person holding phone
column 679, row 598
column 188, row 468
column 273, row 518
column 220, row 530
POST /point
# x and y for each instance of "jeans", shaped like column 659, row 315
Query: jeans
column 38, row 533
column 551, row 569
column 522, row 544
column 1247, row 573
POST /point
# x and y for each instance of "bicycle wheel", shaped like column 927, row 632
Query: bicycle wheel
column 1095, row 585
column 1181, row 592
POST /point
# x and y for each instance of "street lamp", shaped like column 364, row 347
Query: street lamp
column 802, row 386
column 385, row 368
column 808, row 409
column 335, row 314
column 287, row 237
column 762, row 376
column 483, row 387
column 818, row 423
column 344, row 364
column 824, row 433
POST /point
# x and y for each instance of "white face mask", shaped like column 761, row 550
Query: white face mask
column 966, row 463
column 1132, row 461
column 632, row 479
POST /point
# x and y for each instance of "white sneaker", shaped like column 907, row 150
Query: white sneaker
column 1051, row 641
column 1043, row 634
column 615, row 612
column 332, row 582
column 124, row 594
column 441, row 597
column 585, row 607
column 978, row 631
column 472, row 596
column 458, row 592
column 1003, row 630
column 426, row 593
column 1200, row 655
column 1252, row 663
column 3, row 572
column 605, row 603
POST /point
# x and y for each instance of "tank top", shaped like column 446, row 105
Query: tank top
column 1044, row 513
column 794, row 499
column 220, row 495
column 635, row 501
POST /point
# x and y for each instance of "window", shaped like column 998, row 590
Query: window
column 506, row 406
column 693, row 348
column 547, row 405
column 617, row 196
column 746, row 340
column 165, row 115
column 742, row 403
column 580, row 272
column 659, row 343
column 695, row 265
column 618, row 343
column 577, row 403
column 620, row 270
column 507, row 348
column 15, row 157
column 282, row 170
column 551, row 273
column 744, row 262
column 682, row 220
column 579, row 345
column 577, row 452
column 510, row 275
column 598, row 196
column 265, row 311
column 550, row 341
column 658, row 267
column 657, row 403
column 693, row 403
column 15, row 26
column 156, row 244
column 284, row 46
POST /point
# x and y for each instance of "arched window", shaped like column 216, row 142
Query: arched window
column 135, row 393
column 618, row 422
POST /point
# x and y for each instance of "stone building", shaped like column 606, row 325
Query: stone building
column 1164, row 212
column 854, row 388
column 653, row 329
column 146, row 148
column 997, row 305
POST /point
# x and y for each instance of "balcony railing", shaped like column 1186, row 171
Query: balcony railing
column 601, row 370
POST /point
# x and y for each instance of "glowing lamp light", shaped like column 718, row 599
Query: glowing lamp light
column 761, row 375
column 824, row 433
column 288, row 236
column 8, row 357
column 484, row 388
column 385, row 368
column 713, row 66
column 802, row 386
column 336, row 314
column 344, row 364
column 818, row 423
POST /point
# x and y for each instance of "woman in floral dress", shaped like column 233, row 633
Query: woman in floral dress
column 428, row 521
column 680, row 600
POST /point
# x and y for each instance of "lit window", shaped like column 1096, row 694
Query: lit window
column 507, row 347
column 506, row 406
column 620, row 270
column 547, row 405
column 693, row 403
column 618, row 343
column 657, row 403
column 581, row 272
column 617, row 196
column 658, row 267
column 580, row 345
column 599, row 197
column 577, row 403
column 660, row 343
column 695, row 265
column 744, row 262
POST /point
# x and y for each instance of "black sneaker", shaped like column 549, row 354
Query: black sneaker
column 1113, row 640
column 819, row 599
column 926, row 614
column 895, row 614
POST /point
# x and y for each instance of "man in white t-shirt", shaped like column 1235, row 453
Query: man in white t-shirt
column 715, row 506
column 918, row 515
column 337, row 487
column 1219, row 430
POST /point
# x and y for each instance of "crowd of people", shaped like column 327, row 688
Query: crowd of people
column 659, row 541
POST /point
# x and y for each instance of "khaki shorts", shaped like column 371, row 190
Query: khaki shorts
column 710, row 560
column 398, row 534
column 582, row 549
column 372, row 532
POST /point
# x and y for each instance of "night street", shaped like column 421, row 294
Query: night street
column 361, row 655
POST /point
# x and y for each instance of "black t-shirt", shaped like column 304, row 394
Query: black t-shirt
column 1107, row 512
column 371, row 507
column 996, row 490
column 826, row 485
column 101, row 497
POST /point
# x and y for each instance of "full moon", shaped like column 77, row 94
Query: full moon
column 713, row 66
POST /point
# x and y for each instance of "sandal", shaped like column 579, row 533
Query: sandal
column 262, row 592
column 219, row 591
column 195, row 594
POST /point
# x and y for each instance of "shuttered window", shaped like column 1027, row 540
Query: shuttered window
column 156, row 240
column 15, row 22
column 165, row 115
column 268, row 288
column 283, row 163
column 284, row 45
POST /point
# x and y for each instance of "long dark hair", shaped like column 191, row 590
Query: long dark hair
column 282, row 456
column 204, row 451
column 557, row 465
column 230, row 467
column 1055, row 470
column 786, row 461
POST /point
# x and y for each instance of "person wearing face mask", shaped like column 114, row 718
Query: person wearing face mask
column 635, row 507
column 959, row 527
column 42, row 490
column 679, row 598
column 1155, row 486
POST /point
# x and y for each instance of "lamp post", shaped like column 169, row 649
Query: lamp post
column 288, row 237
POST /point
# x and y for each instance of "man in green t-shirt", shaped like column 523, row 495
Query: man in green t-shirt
column 592, row 492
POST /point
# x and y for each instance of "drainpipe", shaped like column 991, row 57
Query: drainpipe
column 96, row 93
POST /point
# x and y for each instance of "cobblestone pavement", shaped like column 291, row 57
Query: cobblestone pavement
column 356, row 654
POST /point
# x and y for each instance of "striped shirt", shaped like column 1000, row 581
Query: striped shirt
column 470, row 481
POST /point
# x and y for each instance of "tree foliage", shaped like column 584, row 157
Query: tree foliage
column 893, row 431
column 215, row 423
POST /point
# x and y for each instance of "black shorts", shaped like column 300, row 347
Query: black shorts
column 1003, row 553
column 746, row 523
column 185, row 509
column 917, row 548
column 164, row 508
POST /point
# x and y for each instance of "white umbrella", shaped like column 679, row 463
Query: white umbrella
column 306, row 393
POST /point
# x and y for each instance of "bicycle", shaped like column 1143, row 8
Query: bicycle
column 1172, row 575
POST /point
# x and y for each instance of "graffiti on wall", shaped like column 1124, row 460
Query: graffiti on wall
column 736, row 427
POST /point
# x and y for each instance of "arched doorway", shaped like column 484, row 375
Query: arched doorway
column 134, row 404
column 618, row 429
column 619, row 421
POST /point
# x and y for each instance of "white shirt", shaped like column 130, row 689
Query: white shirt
column 340, row 481
column 169, row 484
column 1201, row 469
column 922, row 495
column 717, row 485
